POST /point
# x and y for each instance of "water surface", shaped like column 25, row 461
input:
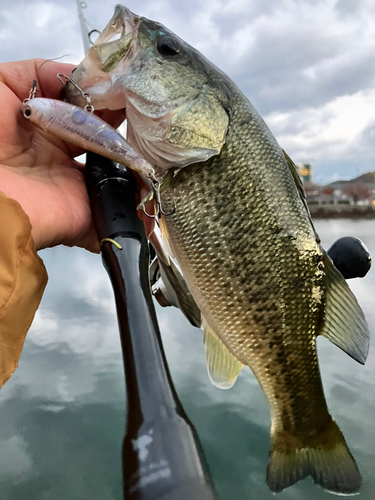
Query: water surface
column 62, row 413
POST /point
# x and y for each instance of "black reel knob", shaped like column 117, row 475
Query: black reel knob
column 351, row 257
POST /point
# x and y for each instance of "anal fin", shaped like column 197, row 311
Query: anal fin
column 344, row 322
column 223, row 368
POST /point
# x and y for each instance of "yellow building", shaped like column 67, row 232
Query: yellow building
column 306, row 172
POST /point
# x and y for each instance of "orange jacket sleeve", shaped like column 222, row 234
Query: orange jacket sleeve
column 23, row 278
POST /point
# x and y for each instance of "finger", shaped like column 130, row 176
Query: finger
column 19, row 76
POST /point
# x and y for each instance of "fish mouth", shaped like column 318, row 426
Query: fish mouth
column 93, row 75
column 114, row 41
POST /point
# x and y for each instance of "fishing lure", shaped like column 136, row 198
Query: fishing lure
column 86, row 130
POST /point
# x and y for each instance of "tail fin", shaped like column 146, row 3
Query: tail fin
column 327, row 460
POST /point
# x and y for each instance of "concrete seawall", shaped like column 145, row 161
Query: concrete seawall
column 342, row 211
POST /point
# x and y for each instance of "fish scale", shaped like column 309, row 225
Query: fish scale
column 228, row 246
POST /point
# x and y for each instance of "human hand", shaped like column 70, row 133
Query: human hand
column 37, row 169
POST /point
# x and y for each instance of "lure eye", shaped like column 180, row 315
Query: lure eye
column 168, row 46
column 27, row 112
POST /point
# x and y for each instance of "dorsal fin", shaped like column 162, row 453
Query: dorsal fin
column 300, row 188
column 223, row 368
column 344, row 322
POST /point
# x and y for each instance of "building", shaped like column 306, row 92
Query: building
column 306, row 172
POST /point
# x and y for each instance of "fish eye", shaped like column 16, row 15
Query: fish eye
column 168, row 46
column 27, row 112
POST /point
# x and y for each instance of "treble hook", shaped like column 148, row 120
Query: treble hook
column 146, row 214
column 166, row 214
column 156, row 195
column 89, row 107
column 143, row 203
column 32, row 92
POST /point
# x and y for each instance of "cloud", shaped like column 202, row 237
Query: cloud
column 294, row 59
column 348, row 7
column 299, row 55
column 367, row 139
column 326, row 132
column 38, row 29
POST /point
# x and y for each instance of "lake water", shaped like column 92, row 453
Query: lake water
column 62, row 413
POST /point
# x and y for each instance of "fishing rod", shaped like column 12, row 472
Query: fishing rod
column 83, row 24
column 162, row 456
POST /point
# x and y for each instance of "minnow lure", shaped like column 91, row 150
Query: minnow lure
column 86, row 130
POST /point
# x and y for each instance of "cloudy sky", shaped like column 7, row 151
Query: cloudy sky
column 306, row 65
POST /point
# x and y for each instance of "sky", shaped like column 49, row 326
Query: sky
column 306, row 65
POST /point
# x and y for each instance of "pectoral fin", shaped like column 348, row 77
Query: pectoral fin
column 164, row 235
column 344, row 321
column 223, row 368
column 160, row 251
column 173, row 279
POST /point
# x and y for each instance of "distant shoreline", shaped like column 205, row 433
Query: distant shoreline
column 342, row 211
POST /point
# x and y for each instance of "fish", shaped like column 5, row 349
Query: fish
column 241, row 233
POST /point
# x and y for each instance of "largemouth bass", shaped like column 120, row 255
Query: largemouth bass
column 241, row 234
